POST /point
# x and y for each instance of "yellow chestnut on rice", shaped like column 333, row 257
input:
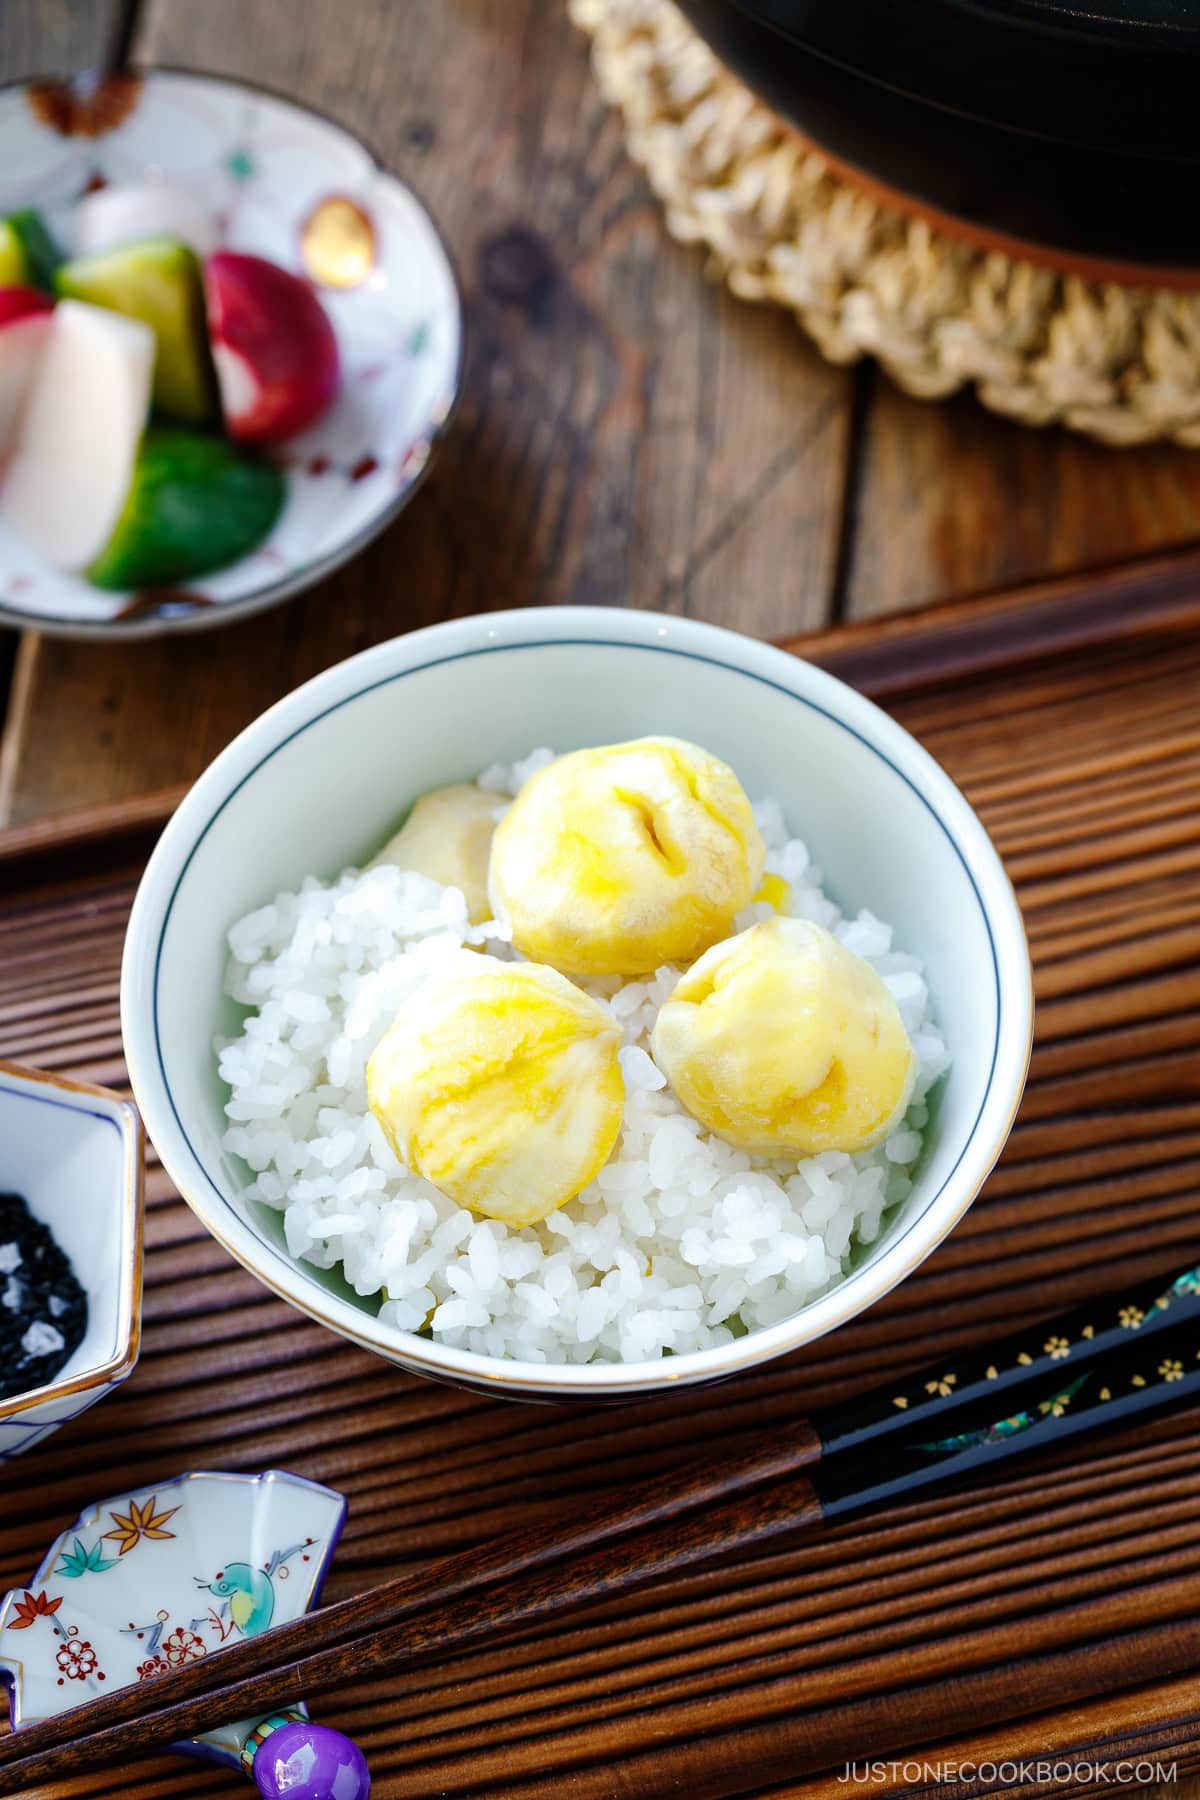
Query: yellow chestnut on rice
column 502, row 1086
column 783, row 1041
column 448, row 836
column 616, row 860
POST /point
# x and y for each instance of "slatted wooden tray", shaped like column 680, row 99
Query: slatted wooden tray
column 1073, row 724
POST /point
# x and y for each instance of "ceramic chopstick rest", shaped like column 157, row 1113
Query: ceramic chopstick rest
column 150, row 1580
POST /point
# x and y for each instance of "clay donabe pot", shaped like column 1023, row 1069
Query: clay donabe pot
column 1065, row 131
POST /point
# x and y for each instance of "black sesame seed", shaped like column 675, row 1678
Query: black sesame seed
column 43, row 1309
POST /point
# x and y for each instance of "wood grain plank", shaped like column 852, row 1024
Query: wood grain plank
column 56, row 37
column 629, row 434
column 1128, row 1726
column 892, row 654
column 954, row 501
column 889, row 1634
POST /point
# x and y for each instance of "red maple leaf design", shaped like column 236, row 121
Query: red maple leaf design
column 33, row 1606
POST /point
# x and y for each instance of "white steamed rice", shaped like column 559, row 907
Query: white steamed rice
column 681, row 1243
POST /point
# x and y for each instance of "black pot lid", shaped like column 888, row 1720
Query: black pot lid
column 1118, row 75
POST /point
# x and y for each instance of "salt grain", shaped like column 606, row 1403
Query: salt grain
column 42, row 1339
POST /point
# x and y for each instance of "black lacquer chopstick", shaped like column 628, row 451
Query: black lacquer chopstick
column 1056, row 1348
column 603, row 1550
column 1087, row 1371
column 1139, row 1376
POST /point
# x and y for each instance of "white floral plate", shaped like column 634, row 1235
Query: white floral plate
column 284, row 183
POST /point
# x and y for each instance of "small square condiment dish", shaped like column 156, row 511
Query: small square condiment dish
column 76, row 1154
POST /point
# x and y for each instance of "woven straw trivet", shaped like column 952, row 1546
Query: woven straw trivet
column 1122, row 364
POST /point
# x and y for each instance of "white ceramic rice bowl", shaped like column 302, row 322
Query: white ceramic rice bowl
column 319, row 779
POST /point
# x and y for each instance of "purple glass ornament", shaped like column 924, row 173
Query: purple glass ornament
column 302, row 1761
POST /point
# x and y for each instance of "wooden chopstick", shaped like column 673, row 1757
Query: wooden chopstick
column 446, row 1607
column 429, row 1630
column 1163, row 1638
column 724, row 1504
column 924, row 1396
column 405, row 1604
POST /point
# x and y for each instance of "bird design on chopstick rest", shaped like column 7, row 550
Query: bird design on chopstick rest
column 134, row 1558
column 250, row 1592
column 250, row 1595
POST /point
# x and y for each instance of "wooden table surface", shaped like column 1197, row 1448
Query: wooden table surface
column 629, row 435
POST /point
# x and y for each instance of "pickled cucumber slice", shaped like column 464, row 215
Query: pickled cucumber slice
column 157, row 281
column 197, row 503
column 27, row 247
column 14, row 269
